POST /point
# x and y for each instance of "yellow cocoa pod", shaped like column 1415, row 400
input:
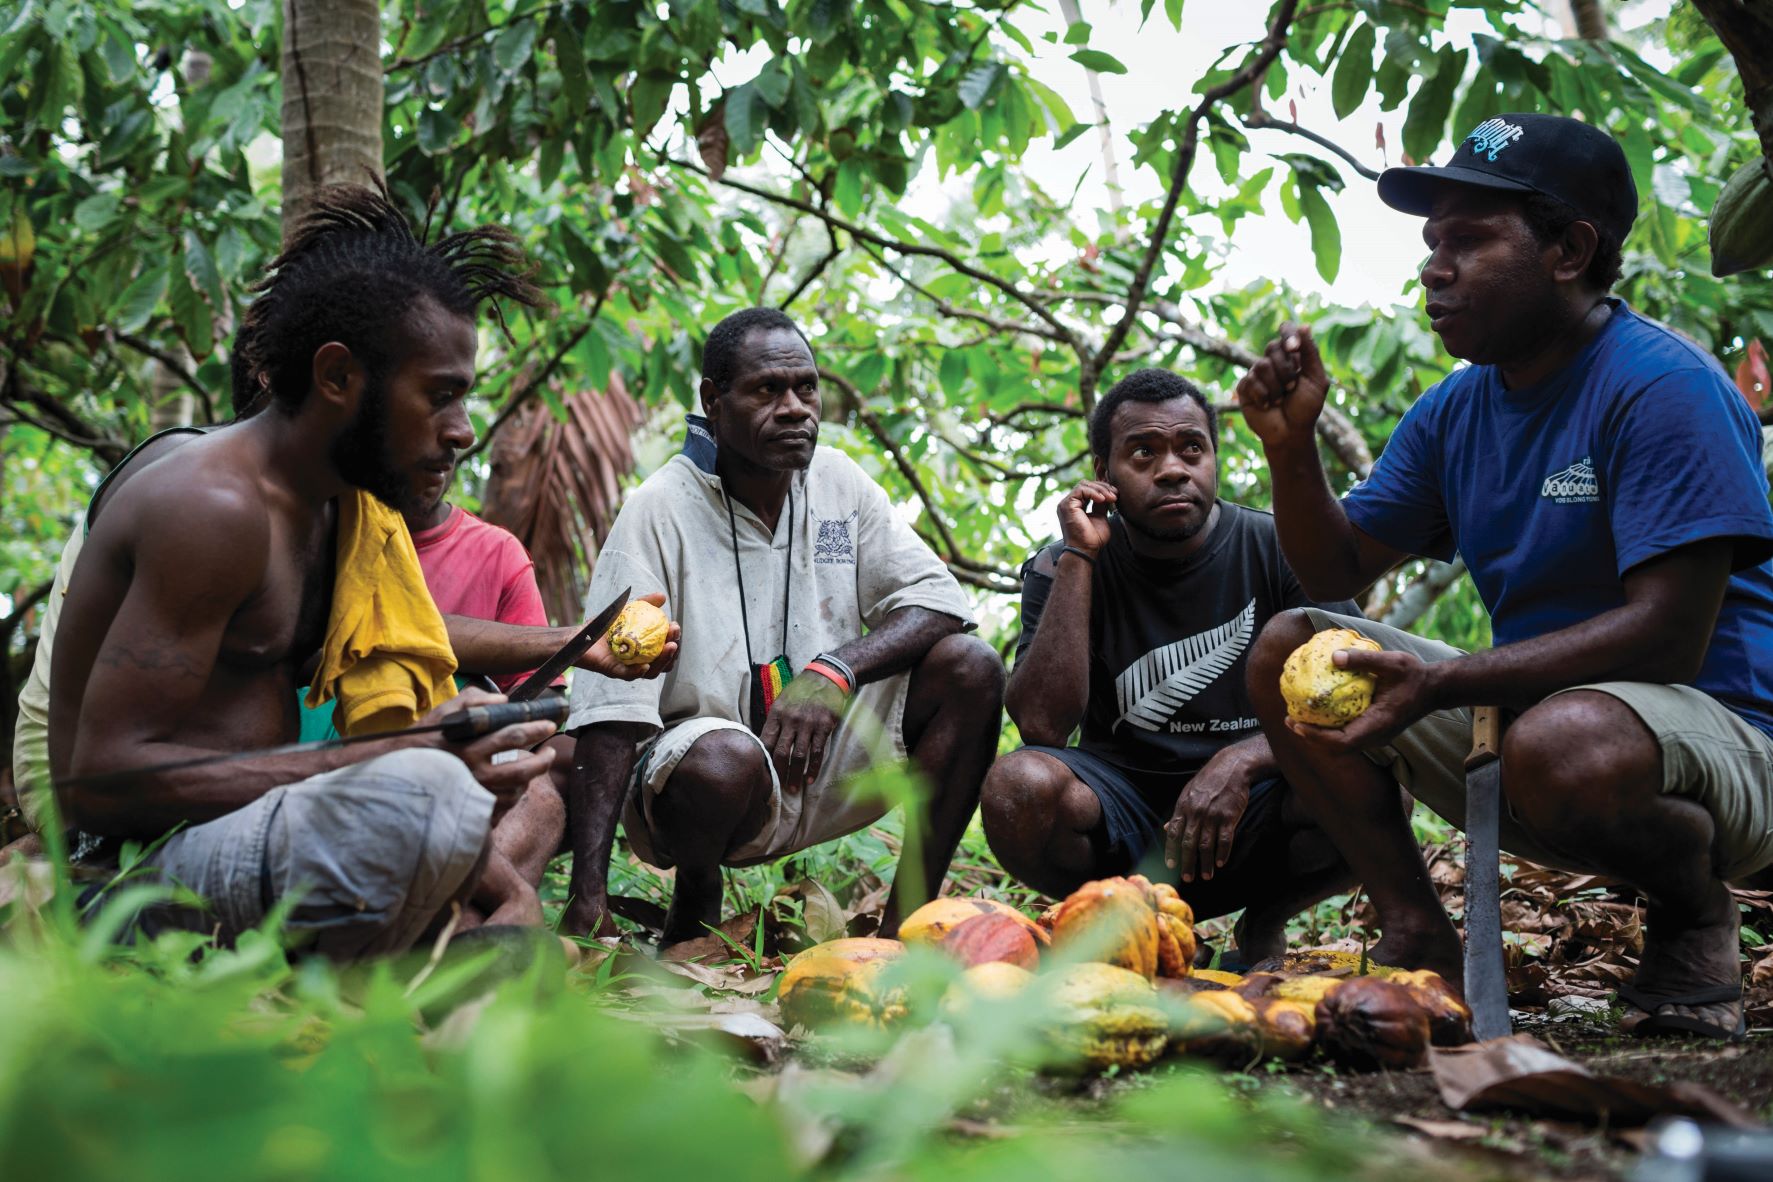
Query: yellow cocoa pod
column 839, row 983
column 637, row 635
column 1106, row 1016
column 1219, row 977
column 1319, row 693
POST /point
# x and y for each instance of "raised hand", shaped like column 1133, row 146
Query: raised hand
column 1283, row 393
column 1088, row 531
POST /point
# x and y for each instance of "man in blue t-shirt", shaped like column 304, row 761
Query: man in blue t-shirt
column 1602, row 478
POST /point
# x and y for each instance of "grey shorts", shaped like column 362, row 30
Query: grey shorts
column 872, row 733
column 1709, row 756
column 370, row 855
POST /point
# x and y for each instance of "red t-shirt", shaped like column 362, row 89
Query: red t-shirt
column 480, row 571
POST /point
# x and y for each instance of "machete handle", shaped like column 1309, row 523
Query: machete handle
column 1486, row 737
column 478, row 721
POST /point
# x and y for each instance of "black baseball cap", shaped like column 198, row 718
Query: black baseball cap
column 1580, row 165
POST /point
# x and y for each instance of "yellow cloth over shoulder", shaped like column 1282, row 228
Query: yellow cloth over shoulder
column 386, row 658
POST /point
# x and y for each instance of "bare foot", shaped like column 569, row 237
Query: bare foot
column 695, row 905
column 1689, row 956
column 1435, row 947
column 1258, row 936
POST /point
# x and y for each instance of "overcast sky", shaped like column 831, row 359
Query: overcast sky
column 1381, row 249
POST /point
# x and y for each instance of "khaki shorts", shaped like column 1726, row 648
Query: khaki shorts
column 872, row 733
column 1710, row 755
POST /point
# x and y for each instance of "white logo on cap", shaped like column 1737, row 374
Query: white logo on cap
column 1493, row 135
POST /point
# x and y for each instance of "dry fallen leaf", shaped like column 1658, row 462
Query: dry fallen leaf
column 1523, row 1074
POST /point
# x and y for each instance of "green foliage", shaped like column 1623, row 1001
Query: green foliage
column 669, row 164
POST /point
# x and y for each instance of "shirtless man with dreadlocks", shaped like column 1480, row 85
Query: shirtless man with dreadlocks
column 206, row 586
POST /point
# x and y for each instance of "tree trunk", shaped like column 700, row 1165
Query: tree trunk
column 332, row 98
column 1586, row 20
column 1746, row 29
column 1111, row 169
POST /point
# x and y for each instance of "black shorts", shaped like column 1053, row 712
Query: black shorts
column 1130, row 838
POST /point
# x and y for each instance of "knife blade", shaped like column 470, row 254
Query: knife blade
column 571, row 651
column 1486, row 982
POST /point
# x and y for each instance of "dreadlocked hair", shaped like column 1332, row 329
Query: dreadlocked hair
column 351, row 272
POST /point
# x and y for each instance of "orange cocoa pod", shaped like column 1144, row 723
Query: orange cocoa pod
column 1111, row 921
column 987, row 938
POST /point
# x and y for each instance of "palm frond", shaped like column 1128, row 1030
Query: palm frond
column 555, row 483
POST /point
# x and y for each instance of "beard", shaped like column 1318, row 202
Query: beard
column 360, row 454
column 1168, row 533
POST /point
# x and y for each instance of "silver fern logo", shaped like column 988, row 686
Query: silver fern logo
column 1153, row 688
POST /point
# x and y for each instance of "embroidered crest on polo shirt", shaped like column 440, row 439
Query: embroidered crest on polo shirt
column 836, row 544
column 1493, row 136
column 1156, row 686
column 1574, row 485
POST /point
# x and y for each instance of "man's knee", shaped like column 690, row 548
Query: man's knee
column 966, row 669
column 375, row 851
column 1279, row 637
column 1576, row 760
column 724, row 763
column 1023, row 797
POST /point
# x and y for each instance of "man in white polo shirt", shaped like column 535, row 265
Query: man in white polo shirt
column 820, row 636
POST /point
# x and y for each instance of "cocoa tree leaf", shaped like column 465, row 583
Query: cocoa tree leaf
column 1354, row 72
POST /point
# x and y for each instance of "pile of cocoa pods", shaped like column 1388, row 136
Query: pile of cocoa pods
column 1115, row 961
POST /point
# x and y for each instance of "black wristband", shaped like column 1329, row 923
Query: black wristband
column 1083, row 554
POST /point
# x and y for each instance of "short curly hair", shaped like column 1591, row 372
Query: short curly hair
column 720, row 355
column 1548, row 218
column 1145, row 385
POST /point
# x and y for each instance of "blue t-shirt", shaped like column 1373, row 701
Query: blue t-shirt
column 1552, row 492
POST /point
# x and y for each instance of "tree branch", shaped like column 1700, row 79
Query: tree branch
column 1008, row 418
column 174, row 366
column 818, row 269
column 1008, row 472
column 1414, row 601
column 862, row 234
column 515, row 402
column 949, row 310
column 52, row 418
column 21, row 605
column 1259, row 119
column 1268, row 49
column 463, row 42
column 947, row 547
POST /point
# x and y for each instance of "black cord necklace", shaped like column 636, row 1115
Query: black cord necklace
column 766, row 681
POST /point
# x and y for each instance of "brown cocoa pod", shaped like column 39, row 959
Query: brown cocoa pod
column 1449, row 1020
column 1366, row 1023
column 987, row 938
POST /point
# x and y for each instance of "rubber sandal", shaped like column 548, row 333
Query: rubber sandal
column 1656, row 1023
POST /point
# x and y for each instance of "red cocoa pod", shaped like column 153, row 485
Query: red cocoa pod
column 986, row 938
column 1366, row 1023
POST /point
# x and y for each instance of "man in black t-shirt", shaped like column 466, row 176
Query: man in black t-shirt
column 1135, row 627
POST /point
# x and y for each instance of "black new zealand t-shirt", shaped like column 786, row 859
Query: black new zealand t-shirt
column 1169, row 639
